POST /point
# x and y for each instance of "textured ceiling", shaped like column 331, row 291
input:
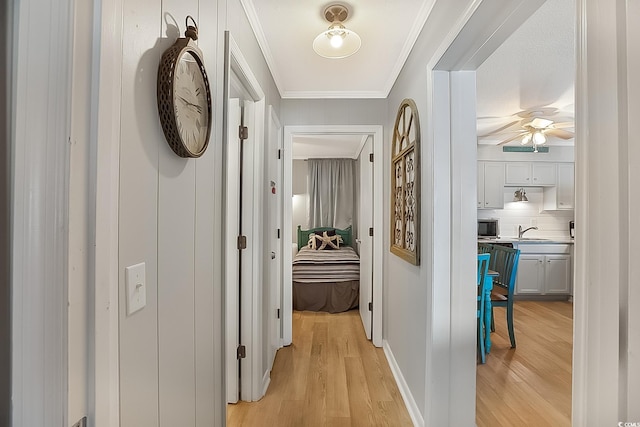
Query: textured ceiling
column 534, row 69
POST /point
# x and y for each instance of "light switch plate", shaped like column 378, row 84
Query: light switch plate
column 136, row 287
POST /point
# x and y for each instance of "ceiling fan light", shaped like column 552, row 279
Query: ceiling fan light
column 526, row 139
column 539, row 138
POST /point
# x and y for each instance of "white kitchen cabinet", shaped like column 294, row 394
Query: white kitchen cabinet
column 557, row 274
column 530, row 173
column 490, row 185
column 517, row 173
column 530, row 278
column 545, row 273
column 561, row 196
column 566, row 186
column 543, row 173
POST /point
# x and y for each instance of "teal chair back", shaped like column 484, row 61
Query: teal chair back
column 504, row 261
column 483, row 267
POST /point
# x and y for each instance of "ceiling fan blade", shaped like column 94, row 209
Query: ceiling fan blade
column 538, row 112
column 560, row 133
column 563, row 125
column 513, row 138
column 500, row 129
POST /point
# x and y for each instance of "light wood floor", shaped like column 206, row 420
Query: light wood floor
column 330, row 376
column 531, row 384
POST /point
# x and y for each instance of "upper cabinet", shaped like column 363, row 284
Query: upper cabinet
column 490, row 185
column 561, row 196
column 557, row 180
column 530, row 174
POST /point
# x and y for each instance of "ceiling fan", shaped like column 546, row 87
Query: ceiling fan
column 533, row 128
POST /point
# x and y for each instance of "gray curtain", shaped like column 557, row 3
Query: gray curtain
column 331, row 192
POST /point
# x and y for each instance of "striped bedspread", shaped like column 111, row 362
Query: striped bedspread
column 336, row 265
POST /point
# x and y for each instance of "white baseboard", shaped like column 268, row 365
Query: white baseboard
column 266, row 380
column 409, row 402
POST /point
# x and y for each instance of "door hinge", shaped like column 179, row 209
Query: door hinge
column 371, row 157
column 243, row 132
column 242, row 242
column 241, row 353
column 371, row 231
column 370, row 306
column 279, row 154
column 278, row 313
column 278, row 233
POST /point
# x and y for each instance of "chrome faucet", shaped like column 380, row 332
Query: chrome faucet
column 521, row 231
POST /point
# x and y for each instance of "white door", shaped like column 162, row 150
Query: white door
column 249, row 257
column 274, row 237
column 232, row 278
column 365, row 222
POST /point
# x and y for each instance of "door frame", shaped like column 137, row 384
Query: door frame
column 40, row 125
column 376, row 132
column 253, row 196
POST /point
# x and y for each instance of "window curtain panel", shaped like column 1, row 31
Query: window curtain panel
column 331, row 192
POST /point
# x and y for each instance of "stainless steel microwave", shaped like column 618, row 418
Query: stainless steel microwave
column 488, row 228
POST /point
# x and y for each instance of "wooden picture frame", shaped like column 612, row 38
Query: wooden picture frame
column 405, row 184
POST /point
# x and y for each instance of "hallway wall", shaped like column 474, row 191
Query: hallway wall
column 333, row 111
column 410, row 293
column 170, row 219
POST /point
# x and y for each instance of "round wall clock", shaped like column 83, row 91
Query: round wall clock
column 184, row 96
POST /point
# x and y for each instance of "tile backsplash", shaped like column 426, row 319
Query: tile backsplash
column 551, row 224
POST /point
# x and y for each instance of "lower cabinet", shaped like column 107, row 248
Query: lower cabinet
column 543, row 273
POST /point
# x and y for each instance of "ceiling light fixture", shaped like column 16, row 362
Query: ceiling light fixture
column 536, row 137
column 337, row 42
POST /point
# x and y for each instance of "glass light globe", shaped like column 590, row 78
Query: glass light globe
column 336, row 41
column 539, row 138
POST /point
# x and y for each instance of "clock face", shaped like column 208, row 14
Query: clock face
column 190, row 103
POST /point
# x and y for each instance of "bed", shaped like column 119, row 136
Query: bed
column 326, row 279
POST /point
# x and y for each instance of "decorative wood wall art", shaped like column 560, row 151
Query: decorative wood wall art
column 405, row 184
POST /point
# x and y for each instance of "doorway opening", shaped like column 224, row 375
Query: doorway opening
column 372, row 320
column 455, row 86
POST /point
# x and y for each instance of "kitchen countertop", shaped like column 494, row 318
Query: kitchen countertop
column 532, row 240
